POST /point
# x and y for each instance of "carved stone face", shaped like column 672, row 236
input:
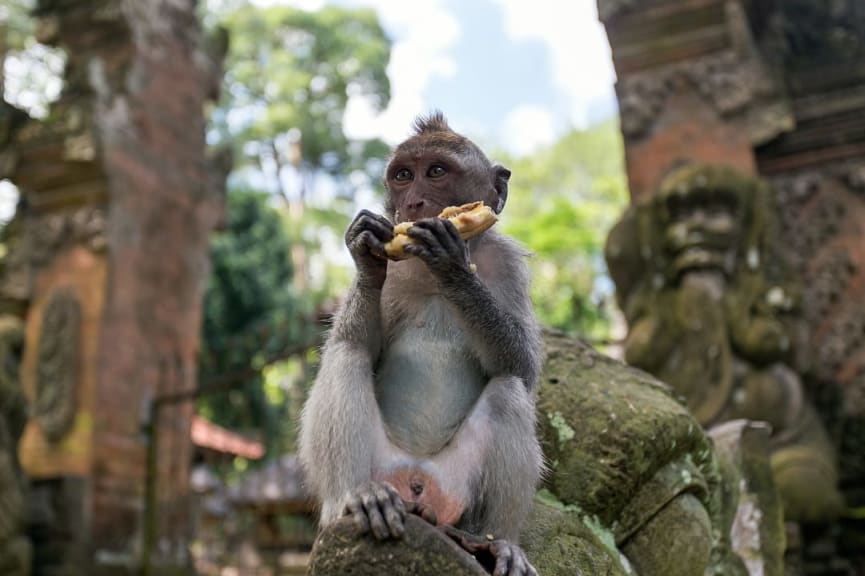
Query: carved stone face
column 702, row 231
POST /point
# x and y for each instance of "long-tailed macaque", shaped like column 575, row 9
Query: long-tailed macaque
column 425, row 396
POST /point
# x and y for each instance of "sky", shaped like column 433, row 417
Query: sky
column 512, row 74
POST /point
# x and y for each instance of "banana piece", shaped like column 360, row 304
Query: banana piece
column 469, row 219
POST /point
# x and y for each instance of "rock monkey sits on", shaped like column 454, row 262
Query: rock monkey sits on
column 425, row 399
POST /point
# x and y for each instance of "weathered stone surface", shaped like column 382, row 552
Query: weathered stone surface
column 609, row 430
column 630, row 459
column 560, row 541
column 423, row 551
column 753, row 518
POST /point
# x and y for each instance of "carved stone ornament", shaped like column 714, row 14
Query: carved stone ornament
column 57, row 365
column 729, row 83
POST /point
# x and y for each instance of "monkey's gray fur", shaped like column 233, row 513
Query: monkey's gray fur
column 432, row 371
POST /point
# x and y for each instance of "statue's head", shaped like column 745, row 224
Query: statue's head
column 704, row 218
column 701, row 214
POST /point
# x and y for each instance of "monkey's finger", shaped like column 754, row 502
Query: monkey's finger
column 354, row 509
column 531, row 570
column 503, row 560
column 376, row 520
column 422, row 234
column 421, row 252
column 439, row 229
column 453, row 234
column 367, row 221
column 395, row 522
column 382, row 228
column 396, row 500
column 372, row 244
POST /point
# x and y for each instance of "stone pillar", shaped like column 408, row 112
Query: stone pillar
column 109, row 255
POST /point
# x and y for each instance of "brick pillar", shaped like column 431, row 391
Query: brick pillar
column 691, row 86
column 110, row 257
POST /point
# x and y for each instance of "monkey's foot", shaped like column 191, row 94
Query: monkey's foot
column 377, row 507
column 497, row 556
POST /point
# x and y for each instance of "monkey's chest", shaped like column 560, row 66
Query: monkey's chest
column 427, row 382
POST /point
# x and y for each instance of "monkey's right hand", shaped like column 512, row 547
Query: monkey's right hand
column 365, row 239
column 377, row 507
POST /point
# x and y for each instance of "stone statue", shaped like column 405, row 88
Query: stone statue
column 14, row 547
column 711, row 310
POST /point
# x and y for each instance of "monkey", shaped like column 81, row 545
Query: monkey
column 425, row 396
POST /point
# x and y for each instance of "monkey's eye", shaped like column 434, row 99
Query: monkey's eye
column 402, row 175
column 436, row 171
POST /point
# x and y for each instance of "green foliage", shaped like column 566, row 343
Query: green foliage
column 249, row 310
column 289, row 75
column 19, row 26
column 30, row 73
column 562, row 202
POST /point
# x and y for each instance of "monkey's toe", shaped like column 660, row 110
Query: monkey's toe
column 377, row 508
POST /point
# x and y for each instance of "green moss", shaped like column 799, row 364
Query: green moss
column 565, row 432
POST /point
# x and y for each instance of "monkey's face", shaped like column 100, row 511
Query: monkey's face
column 433, row 171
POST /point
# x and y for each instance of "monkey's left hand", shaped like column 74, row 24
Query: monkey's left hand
column 496, row 555
column 441, row 247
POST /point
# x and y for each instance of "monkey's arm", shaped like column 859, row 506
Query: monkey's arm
column 341, row 426
column 498, row 314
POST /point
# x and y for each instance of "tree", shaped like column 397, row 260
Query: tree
column 567, row 197
column 30, row 73
column 289, row 76
column 250, row 311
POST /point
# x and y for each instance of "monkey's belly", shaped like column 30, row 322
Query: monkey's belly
column 417, row 485
column 425, row 387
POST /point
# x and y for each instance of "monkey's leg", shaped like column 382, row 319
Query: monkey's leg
column 499, row 436
column 342, row 434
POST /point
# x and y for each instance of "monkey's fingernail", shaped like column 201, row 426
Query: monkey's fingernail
column 490, row 537
column 473, row 268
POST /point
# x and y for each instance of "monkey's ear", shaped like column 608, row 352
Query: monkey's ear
column 501, row 177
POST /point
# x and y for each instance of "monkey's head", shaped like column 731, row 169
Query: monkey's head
column 436, row 168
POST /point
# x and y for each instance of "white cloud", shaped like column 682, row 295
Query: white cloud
column 528, row 127
column 423, row 32
column 577, row 42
